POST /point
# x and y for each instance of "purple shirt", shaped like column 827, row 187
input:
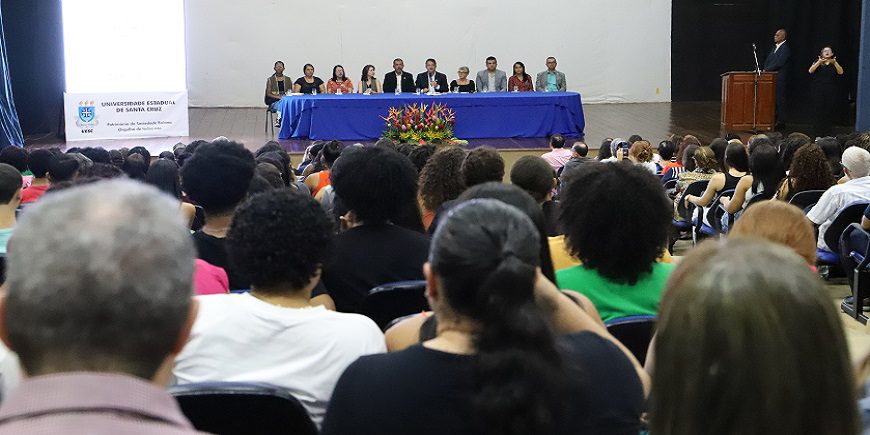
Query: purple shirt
column 91, row 403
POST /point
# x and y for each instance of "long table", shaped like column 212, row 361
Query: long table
column 479, row 115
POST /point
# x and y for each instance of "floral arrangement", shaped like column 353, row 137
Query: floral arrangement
column 421, row 124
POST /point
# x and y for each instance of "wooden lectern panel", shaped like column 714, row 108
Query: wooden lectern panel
column 742, row 108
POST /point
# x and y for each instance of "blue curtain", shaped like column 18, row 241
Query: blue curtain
column 9, row 126
column 863, row 121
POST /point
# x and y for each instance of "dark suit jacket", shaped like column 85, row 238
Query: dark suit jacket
column 441, row 78
column 390, row 82
column 779, row 61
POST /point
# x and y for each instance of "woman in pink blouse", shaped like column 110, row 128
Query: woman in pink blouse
column 520, row 81
column 339, row 81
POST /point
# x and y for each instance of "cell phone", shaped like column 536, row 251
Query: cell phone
column 625, row 147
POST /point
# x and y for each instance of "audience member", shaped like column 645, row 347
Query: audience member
column 856, row 165
column 790, row 146
column 641, row 154
column 779, row 222
column 97, row 154
column 216, row 178
column 17, row 158
column 98, row 303
column 441, row 180
column 481, row 165
column 142, row 151
column 536, row 176
column 117, row 159
column 604, row 152
column 737, row 167
column 38, row 162
column 135, row 167
column 421, row 154
column 10, row 199
column 719, row 146
column 164, row 175
column 483, row 286
column 62, row 168
column 318, row 180
column 831, row 147
column 373, row 251
column 102, row 170
column 764, row 329
column 765, row 176
column 630, row 213
column 700, row 165
column 279, row 239
column 671, row 167
column 810, row 170
column 558, row 155
column 271, row 174
column 579, row 153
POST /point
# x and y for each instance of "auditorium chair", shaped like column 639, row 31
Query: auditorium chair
column 854, row 243
column 847, row 215
column 242, row 408
column 714, row 216
column 387, row 302
column 635, row 332
column 806, row 199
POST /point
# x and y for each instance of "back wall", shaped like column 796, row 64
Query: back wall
column 611, row 51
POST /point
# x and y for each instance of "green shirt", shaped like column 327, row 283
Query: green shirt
column 615, row 300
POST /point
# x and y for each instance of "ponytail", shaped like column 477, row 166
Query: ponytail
column 517, row 367
column 486, row 256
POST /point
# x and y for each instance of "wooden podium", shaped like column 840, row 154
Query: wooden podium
column 748, row 101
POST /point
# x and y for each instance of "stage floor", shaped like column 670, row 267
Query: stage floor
column 653, row 121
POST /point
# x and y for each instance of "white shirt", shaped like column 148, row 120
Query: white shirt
column 777, row 46
column 399, row 82
column 834, row 199
column 239, row 338
column 490, row 84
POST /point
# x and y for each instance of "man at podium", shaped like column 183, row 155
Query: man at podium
column 778, row 61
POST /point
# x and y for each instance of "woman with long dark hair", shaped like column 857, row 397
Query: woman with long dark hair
column 165, row 176
column 520, row 81
column 495, row 366
column 826, row 72
column 368, row 83
column 339, row 83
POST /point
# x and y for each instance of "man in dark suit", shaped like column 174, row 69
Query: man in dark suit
column 432, row 79
column 404, row 80
column 778, row 61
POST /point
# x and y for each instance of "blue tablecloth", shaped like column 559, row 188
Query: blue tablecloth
column 480, row 115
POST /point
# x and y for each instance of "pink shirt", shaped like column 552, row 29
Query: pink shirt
column 558, row 157
column 209, row 279
column 91, row 403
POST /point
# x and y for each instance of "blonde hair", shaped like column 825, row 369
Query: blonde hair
column 779, row 222
column 642, row 151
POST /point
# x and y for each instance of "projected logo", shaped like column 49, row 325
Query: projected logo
column 87, row 115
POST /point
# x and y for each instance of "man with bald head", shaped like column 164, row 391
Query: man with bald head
column 778, row 61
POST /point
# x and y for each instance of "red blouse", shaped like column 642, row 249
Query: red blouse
column 515, row 83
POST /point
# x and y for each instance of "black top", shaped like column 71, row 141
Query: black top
column 825, row 80
column 213, row 250
column 440, row 78
column 370, row 255
column 306, row 87
column 390, row 82
column 463, row 88
column 730, row 182
column 422, row 391
column 281, row 89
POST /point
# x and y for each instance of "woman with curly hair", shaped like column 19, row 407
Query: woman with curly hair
column 441, row 180
column 631, row 215
column 810, row 170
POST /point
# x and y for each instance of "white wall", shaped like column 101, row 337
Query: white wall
column 610, row 50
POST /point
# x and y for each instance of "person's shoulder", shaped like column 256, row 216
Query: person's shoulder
column 357, row 323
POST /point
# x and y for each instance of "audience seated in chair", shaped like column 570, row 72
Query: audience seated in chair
column 495, row 366
column 318, row 180
column 558, row 154
column 441, row 180
column 38, row 162
column 779, row 222
column 97, row 306
column 164, row 175
column 373, row 250
column 421, row 328
column 10, row 199
column 736, row 167
column 216, row 178
column 275, row 334
column 616, row 219
column 700, row 165
column 765, row 175
column 17, row 158
column 481, row 165
column 810, row 170
column 765, row 329
column 535, row 176
column 856, row 165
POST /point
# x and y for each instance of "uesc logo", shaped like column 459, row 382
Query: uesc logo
column 87, row 114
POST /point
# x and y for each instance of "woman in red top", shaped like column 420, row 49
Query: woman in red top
column 339, row 81
column 520, row 81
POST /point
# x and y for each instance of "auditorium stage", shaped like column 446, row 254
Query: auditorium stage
column 653, row 121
